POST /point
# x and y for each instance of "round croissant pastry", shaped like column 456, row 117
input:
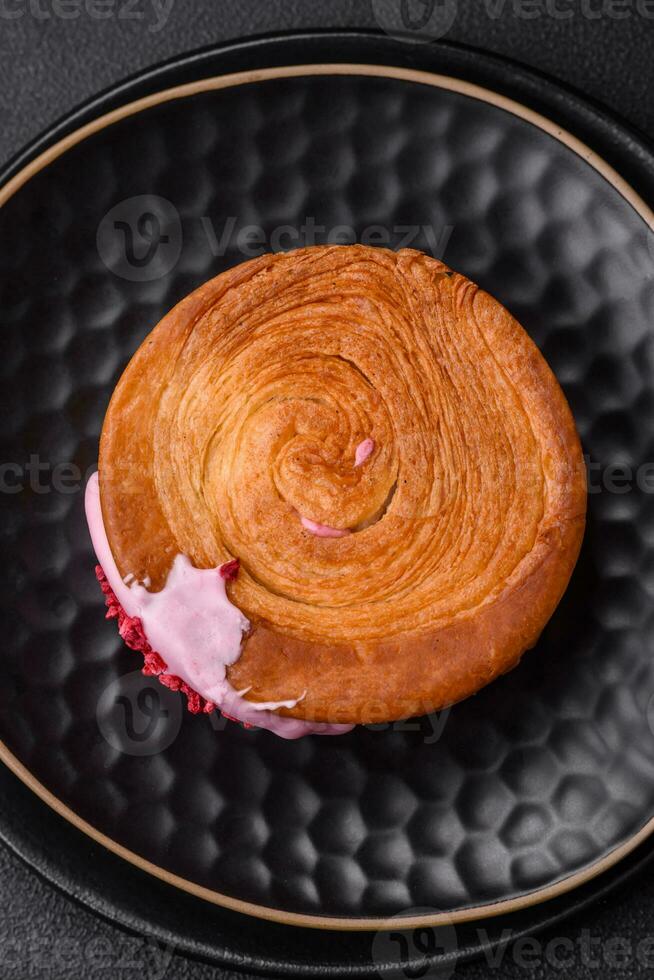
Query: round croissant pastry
column 384, row 451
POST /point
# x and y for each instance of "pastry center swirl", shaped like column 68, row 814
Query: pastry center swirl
column 268, row 396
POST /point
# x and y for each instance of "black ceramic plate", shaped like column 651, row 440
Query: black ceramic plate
column 520, row 794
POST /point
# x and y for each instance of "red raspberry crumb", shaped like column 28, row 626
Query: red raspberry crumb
column 131, row 630
column 230, row 569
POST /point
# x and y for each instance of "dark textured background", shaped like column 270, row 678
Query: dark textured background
column 47, row 66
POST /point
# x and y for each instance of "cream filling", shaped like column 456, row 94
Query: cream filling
column 196, row 630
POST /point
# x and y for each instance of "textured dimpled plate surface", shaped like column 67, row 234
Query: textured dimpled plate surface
column 532, row 780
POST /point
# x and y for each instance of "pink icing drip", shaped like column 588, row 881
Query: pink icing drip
column 323, row 530
column 196, row 630
column 364, row 450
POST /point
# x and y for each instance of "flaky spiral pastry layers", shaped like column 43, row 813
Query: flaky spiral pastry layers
column 242, row 413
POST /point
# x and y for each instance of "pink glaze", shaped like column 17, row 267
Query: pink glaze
column 364, row 450
column 196, row 630
column 323, row 530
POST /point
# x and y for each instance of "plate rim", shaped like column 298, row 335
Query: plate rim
column 250, row 76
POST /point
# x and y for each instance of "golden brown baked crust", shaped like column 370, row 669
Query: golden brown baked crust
column 243, row 409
